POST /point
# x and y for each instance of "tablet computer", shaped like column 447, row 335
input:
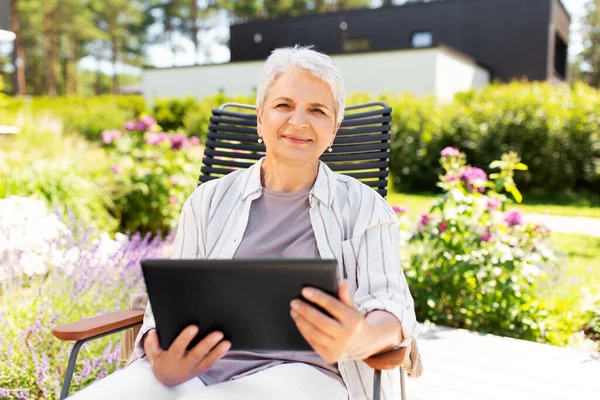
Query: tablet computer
column 247, row 300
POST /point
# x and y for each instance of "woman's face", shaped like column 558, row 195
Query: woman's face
column 297, row 120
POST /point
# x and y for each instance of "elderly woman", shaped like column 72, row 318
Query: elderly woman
column 288, row 205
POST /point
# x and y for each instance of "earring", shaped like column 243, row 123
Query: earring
column 329, row 149
column 260, row 140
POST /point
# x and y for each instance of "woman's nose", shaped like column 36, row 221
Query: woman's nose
column 298, row 119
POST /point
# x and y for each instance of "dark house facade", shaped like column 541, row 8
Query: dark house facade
column 513, row 39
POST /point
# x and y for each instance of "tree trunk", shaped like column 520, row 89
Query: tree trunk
column 49, row 30
column 114, row 58
column 19, row 51
column 194, row 12
column 70, row 74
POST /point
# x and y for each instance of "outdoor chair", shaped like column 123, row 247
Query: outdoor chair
column 361, row 149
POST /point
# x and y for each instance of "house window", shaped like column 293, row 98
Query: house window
column 421, row 39
column 356, row 45
column 560, row 57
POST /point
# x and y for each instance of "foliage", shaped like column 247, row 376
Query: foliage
column 556, row 130
column 56, row 273
column 66, row 172
column 588, row 66
column 153, row 173
column 470, row 264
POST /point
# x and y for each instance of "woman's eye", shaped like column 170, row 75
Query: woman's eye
column 282, row 105
column 318, row 110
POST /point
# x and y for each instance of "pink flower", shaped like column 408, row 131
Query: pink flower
column 155, row 139
column 494, row 204
column 450, row 152
column 130, row 126
column 172, row 199
column 541, row 228
column 486, row 237
column 513, row 218
column 443, row 226
column 450, row 178
column 399, row 209
column 424, row 219
column 475, row 178
column 179, row 141
column 109, row 135
column 116, row 169
column 174, row 181
column 195, row 141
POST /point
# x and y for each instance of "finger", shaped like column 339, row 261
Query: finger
column 335, row 307
column 204, row 347
column 311, row 333
column 179, row 346
column 151, row 345
column 344, row 293
column 211, row 358
column 324, row 323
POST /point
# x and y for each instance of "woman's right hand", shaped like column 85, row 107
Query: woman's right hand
column 175, row 366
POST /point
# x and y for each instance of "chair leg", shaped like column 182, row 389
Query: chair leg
column 377, row 385
column 64, row 393
column 70, row 368
column 402, row 384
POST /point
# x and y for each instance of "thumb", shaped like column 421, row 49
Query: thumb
column 344, row 293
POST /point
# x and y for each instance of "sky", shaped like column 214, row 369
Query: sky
column 161, row 56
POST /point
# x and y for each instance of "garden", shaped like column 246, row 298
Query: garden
column 90, row 186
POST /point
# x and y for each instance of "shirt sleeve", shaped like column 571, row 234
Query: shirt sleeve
column 381, row 281
column 185, row 246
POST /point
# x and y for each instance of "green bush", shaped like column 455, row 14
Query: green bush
column 556, row 130
column 169, row 112
column 152, row 173
column 65, row 171
column 470, row 265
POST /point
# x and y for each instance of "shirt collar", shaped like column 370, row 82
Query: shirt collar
column 323, row 189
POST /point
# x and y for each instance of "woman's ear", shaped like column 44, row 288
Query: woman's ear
column 258, row 121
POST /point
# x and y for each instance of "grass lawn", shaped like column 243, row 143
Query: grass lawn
column 582, row 207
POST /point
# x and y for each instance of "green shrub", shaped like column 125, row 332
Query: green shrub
column 471, row 265
column 169, row 112
column 556, row 130
column 152, row 173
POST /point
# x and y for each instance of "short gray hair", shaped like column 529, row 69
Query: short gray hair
column 306, row 59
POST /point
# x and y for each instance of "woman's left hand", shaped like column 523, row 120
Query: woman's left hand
column 332, row 338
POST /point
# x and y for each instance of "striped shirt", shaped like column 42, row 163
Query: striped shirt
column 352, row 224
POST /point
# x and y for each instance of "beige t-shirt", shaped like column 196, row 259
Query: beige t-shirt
column 278, row 227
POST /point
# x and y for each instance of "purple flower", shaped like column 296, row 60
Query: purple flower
column 424, row 219
column 130, row 126
column 109, row 135
column 486, row 237
column 399, row 209
column 116, row 169
column 140, row 126
column 513, row 218
column 195, row 141
column 475, row 178
column 179, row 141
column 450, row 152
column 494, row 204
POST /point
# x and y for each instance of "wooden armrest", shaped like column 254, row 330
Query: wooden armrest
column 85, row 329
column 388, row 360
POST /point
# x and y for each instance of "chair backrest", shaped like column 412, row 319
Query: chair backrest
column 361, row 148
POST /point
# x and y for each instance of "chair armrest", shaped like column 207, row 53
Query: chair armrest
column 388, row 360
column 87, row 328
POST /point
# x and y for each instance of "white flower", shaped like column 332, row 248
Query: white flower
column 32, row 264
